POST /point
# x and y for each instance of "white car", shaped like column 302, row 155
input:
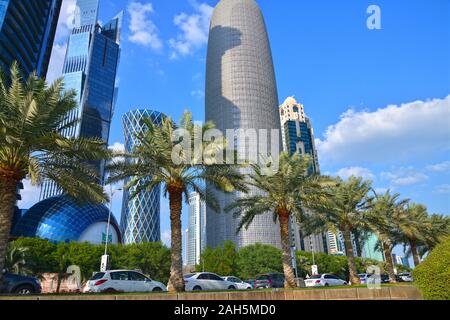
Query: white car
column 122, row 281
column 405, row 277
column 240, row 285
column 324, row 280
column 207, row 281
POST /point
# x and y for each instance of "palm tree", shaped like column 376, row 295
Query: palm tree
column 287, row 193
column 157, row 161
column 386, row 214
column 16, row 259
column 32, row 118
column 416, row 229
column 347, row 214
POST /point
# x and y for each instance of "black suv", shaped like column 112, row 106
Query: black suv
column 269, row 280
column 18, row 284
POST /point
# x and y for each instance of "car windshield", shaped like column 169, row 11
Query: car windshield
column 189, row 275
column 98, row 275
column 316, row 276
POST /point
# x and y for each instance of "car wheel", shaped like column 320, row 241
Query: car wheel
column 157, row 289
column 327, row 285
column 24, row 290
column 197, row 288
column 231, row 288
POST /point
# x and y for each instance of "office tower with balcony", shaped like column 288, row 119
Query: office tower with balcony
column 298, row 136
column 140, row 220
column 241, row 95
column 90, row 68
column 196, row 238
column 27, row 32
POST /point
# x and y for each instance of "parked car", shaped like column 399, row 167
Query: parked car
column 269, row 280
column 251, row 282
column 207, row 281
column 240, row 285
column 363, row 277
column 122, row 281
column 324, row 280
column 18, row 284
column 405, row 277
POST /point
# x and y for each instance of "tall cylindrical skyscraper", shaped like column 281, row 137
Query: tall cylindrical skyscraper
column 241, row 93
column 140, row 221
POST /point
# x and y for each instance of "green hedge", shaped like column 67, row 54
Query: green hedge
column 432, row 276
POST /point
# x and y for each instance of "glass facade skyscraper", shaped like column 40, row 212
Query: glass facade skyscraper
column 298, row 136
column 90, row 68
column 140, row 221
column 27, row 31
column 241, row 95
column 196, row 239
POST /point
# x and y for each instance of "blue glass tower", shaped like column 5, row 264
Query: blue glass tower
column 140, row 221
column 27, row 31
column 90, row 68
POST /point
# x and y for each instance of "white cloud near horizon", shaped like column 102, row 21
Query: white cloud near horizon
column 143, row 29
column 404, row 176
column 442, row 189
column 439, row 167
column 193, row 30
column 346, row 173
column 393, row 133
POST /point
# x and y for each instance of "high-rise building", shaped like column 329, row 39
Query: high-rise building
column 298, row 136
column 140, row 221
column 90, row 68
column 196, row 240
column 241, row 95
column 27, row 32
column 370, row 250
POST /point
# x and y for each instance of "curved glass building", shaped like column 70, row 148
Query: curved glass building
column 140, row 221
column 241, row 94
column 27, row 31
column 60, row 219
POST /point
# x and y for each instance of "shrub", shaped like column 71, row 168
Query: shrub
column 432, row 276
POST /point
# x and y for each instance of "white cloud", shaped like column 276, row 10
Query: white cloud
column 442, row 189
column 404, row 176
column 143, row 29
column 199, row 94
column 440, row 167
column 194, row 29
column 346, row 173
column 166, row 237
column 117, row 147
column 388, row 134
column 30, row 195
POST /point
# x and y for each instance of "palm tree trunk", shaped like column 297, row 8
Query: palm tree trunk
column 354, row 279
column 176, row 281
column 7, row 203
column 415, row 255
column 389, row 263
column 289, row 276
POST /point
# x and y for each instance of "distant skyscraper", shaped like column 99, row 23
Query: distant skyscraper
column 369, row 249
column 27, row 31
column 241, row 93
column 140, row 221
column 90, row 68
column 298, row 136
column 196, row 241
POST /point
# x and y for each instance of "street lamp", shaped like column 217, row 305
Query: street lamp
column 105, row 261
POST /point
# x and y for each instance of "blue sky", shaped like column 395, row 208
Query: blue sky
column 378, row 99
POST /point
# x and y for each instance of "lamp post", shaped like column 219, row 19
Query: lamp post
column 105, row 261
